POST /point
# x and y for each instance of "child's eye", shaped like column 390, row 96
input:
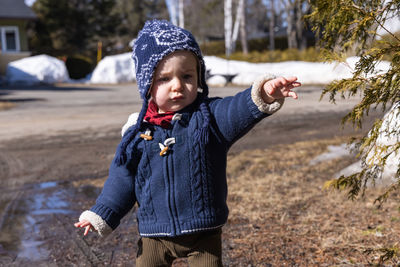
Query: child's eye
column 163, row 79
column 187, row 76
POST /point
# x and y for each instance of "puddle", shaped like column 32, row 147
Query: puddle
column 25, row 213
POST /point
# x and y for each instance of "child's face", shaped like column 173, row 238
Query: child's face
column 175, row 82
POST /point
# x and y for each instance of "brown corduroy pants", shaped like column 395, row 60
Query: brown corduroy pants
column 201, row 249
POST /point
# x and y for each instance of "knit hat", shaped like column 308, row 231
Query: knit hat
column 155, row 41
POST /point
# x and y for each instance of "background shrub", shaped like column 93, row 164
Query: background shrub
column 259, row 53
column 310, row 54
column 78, row 66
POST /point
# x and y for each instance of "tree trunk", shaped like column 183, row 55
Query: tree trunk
column 290, row 9
column 181, row 14
column 302, row 40
column 172, row 9
column 238, row 21
column 243, row 31
column 228, row 26
column 271, row 26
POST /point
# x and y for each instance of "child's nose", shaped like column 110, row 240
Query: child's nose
column 176, row 85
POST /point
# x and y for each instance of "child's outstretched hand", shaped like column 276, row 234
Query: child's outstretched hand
column 279, row 88
column 84, row 224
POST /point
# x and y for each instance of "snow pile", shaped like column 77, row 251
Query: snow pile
column 334, row 152
column 37, row 69
column 120, row 68
column 307, row 72
column 114, row 69
column 217, row 81
column 389, row 135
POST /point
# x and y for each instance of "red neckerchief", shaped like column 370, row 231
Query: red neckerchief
column 161, row 119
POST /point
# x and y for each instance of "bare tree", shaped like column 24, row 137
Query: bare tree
column 243, row 31
column 295, row 11
column 176, row 12
column 172, row 9
column 240, row 23
column 289, row 6
column 271, row 25
column 181, row 14
column 228, row 26
column 302, row 8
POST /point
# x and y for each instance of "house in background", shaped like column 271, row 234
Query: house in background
column 14, row 16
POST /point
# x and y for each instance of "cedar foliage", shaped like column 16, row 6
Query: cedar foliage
column 350, row 27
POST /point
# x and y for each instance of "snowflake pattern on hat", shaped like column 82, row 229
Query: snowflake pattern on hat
column 156, row 40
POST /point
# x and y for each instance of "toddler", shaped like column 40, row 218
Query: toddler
column 172, row 160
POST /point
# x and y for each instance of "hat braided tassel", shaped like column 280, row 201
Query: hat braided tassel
column 121, row 156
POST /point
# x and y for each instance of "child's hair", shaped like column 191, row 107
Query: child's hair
column 155, row 41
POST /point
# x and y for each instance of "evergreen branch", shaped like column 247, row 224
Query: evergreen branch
column 387, row 254
column 383, row 197
column 353, row 182
column 346, row 26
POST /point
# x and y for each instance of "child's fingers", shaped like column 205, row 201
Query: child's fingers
column 293, row 94
column 82, row 224
column 291, row 79
column 87, row 229
column 296, row 84
column 281, row 87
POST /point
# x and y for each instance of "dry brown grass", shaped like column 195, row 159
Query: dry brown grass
column 6, row 105
column 280, row 215
column 98, row 182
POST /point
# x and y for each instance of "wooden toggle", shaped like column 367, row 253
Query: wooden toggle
column 164, row 151
column 146, row 137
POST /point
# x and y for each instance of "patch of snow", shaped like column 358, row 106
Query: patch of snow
column 334, row 152
column 245, row 78
column 389, row 135
column 120, row 68
column 114, row 69
column 216, row 80
column 306, row 72
column 349, row 170
column 37, row 69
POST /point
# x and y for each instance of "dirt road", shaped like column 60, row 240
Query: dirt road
column 55, row 148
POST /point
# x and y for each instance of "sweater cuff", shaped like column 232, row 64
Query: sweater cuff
column 257, row 99
column 97, row 222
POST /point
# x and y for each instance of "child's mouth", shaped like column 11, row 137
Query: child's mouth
column 179, row 97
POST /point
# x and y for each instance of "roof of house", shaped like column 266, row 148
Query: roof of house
column 15, row 9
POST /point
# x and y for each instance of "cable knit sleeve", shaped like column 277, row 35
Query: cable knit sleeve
column 118, row 195
column 236, row 115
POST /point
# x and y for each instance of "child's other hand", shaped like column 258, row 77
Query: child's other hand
column 279, row 88
column 84, row 224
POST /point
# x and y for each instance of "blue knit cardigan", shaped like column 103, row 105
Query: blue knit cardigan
column 185, row 189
